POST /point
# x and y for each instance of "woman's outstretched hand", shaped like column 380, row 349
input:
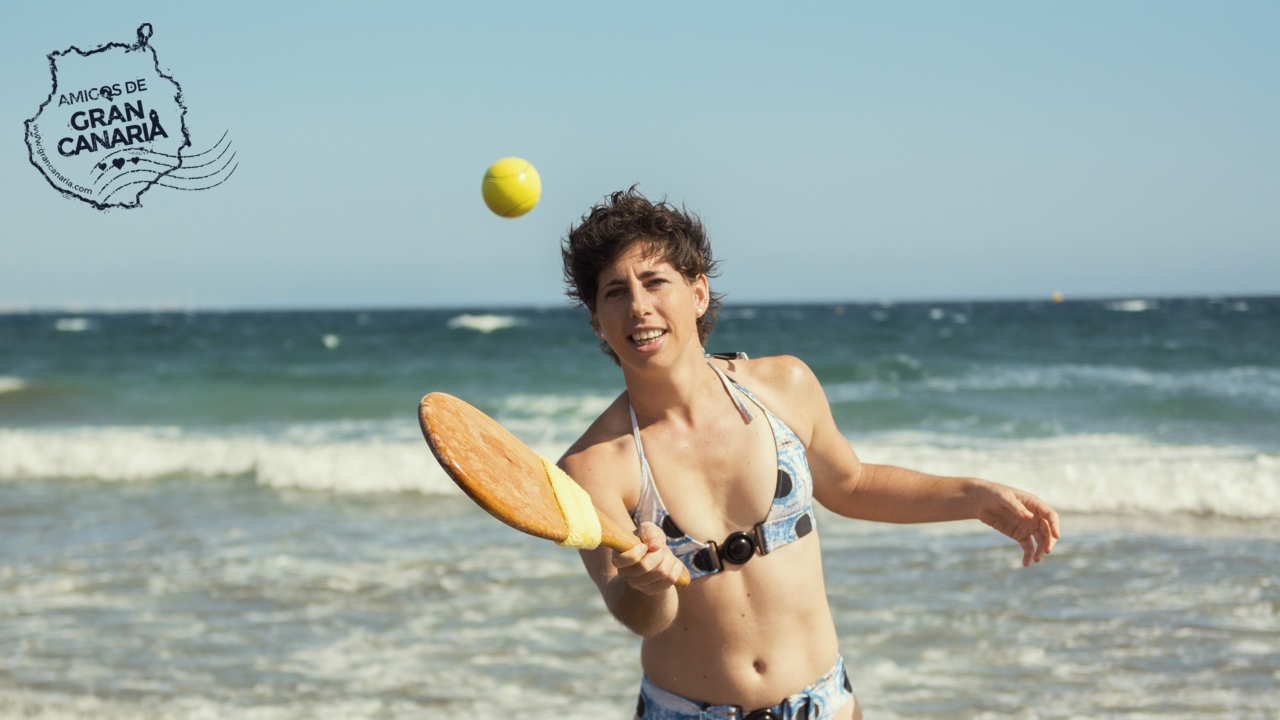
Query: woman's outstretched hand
column 649, row 567
column 1020, row 515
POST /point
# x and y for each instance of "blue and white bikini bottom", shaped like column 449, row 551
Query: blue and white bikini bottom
column 819, row 701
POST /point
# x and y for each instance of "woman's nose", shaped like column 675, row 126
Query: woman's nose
column 640, row 302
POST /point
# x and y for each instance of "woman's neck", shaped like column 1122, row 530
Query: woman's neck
column 677, row 391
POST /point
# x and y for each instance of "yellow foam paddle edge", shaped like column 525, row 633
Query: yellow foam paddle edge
column 576, row 507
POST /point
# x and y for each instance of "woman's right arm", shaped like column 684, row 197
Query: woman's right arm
column 638, row 586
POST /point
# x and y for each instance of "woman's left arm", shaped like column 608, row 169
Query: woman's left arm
column 883, row 493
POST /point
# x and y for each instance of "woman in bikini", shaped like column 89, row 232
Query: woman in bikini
column 716, row 461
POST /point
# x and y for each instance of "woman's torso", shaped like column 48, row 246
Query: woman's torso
column 752, row 633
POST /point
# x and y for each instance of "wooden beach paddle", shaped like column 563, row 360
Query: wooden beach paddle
column 510, row 481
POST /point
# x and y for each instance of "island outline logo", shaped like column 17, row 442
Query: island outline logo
column 115, row 125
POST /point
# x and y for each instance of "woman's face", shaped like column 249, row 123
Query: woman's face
column 646, row 310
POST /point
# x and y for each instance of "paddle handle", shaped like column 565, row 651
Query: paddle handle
column 615, row 538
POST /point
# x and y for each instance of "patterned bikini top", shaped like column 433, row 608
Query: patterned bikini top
column 790, row 516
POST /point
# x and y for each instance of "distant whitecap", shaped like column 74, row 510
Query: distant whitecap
column 331, row 341
column 1130, row 305
column 74, row 324
column 485, row 323
column 11, row 384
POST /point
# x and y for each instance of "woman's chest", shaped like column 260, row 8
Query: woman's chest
column 717, row 481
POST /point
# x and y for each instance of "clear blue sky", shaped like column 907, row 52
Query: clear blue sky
column 835, row 150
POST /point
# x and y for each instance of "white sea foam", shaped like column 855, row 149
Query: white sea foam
column 131, row 454
column 72, row 324
column 551, row 418
column 10, row 384
column 1131, row 305
column 468, row 694
column 1099, row 473
column 347, row 457
column 1092, row 473
column 485, row 323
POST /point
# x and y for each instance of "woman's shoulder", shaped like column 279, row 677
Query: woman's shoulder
column 782, row 374
column 785, row 385
column 605, row 452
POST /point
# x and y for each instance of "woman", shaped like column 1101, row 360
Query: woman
column 716, row 461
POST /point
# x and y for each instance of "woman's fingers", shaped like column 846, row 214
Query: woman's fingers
column 1046, row 530
column 1011, row 501
column 1044, row 536
column 1042, row 509
column 1030, row 521
column 651, row 536
column 636, row 561
column 649, row 567
column 663, row 576
column 650, row 541
column 1028, row 550
column 623, row 560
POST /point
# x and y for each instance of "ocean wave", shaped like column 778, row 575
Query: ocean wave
column 1089, row 473
column 1256, row 383
column 10, row 384
column 367, row 456
column 1132, row 305
column 1099, row 473
column 135, row 454
column 73, row 324
column 551, row 418
column 485, row 323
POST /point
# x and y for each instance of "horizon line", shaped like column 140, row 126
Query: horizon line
column 179, row 307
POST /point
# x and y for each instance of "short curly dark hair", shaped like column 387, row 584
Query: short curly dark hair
column 625, row 218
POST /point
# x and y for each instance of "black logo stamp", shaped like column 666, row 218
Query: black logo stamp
column 114, row 126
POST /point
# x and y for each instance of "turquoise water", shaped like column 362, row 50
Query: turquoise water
column 231, row 514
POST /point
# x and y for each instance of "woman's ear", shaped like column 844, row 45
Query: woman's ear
column 701, row 294
column 595, row 326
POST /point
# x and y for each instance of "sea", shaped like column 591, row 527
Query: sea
column 234, row 515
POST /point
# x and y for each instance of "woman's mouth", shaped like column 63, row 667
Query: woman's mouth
column 642, row 339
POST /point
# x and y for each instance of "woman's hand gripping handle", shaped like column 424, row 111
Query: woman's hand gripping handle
column 649, row 566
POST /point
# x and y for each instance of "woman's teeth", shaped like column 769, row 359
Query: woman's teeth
column 644, row 336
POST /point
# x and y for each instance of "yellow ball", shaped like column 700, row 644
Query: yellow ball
column 511, row 187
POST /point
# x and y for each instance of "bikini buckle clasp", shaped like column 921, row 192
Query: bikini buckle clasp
column 738, row 548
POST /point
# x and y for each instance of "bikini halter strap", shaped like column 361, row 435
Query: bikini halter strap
column 737, row 396
column 635, row 431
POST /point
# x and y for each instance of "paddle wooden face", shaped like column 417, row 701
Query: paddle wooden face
column 494, row 468
column 502, row 475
